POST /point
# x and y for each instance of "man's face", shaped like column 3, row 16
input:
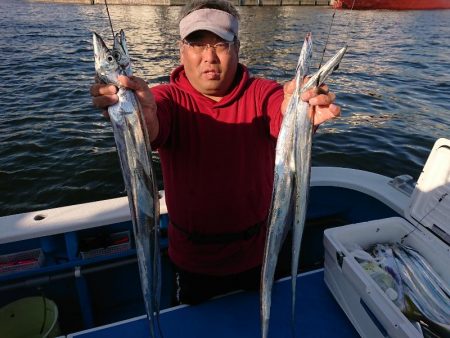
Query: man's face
column 210, row 71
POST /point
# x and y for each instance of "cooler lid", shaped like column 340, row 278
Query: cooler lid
column 430, row 201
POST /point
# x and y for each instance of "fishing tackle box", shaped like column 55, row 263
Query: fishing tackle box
column 425, row 227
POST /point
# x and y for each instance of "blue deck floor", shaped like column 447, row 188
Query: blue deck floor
column 237, row 315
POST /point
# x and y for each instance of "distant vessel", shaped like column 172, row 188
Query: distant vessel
column 392, row 4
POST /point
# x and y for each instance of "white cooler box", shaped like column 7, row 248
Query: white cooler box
column 427, row 229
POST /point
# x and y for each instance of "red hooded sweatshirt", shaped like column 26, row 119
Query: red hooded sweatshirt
column 217, row 160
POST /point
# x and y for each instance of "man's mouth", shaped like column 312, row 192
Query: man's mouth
column 211, row 74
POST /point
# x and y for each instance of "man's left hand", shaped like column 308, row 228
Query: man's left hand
column 320, row 100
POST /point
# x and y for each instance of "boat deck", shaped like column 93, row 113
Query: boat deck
column 237, row 315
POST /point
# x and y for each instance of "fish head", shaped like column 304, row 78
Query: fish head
column 106, row 65
column 120, row 53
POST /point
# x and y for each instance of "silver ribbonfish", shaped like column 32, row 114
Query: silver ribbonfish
column 134, row 151
column 291, row 179
column 280, row 215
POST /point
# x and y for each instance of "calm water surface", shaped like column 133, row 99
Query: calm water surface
column 56, row 149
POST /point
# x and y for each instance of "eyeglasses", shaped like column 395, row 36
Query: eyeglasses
column 199, row 47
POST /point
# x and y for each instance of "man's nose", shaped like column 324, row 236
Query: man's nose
column 209, row 53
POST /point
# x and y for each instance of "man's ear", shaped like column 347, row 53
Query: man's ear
column 238, row 45
column 180, row 47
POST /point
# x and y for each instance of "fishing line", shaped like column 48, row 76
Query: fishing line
column 109, row 18
column 409, row 233
column 329, row 31
column 328, row 36
column 444, row 195
column 351, row 22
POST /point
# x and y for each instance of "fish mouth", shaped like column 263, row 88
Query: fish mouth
column 100, row 49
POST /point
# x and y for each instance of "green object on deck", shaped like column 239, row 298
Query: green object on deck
column 31, row 317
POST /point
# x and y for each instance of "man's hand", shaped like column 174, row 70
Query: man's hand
column 320, row 101
column 104, row 96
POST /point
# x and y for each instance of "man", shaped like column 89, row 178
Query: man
column 215, row 128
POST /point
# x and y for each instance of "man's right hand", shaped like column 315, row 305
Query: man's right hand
column 104, row 96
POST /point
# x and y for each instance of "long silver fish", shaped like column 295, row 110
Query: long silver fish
column 280, row 215
column 433, row 328
column 428, row 270
column 302, row 147
column 422, row 292
column 291, row 179
column 134, row 151
column 428, row 296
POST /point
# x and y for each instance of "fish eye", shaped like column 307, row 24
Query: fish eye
column 110, row 58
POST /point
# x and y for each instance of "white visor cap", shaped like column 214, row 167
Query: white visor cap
column 216, row 21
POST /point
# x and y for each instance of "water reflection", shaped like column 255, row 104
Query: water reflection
column 57, row 150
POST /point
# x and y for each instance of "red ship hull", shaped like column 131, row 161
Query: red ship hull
column 392, row 4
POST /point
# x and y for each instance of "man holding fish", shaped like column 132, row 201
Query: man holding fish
column 215, row 128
